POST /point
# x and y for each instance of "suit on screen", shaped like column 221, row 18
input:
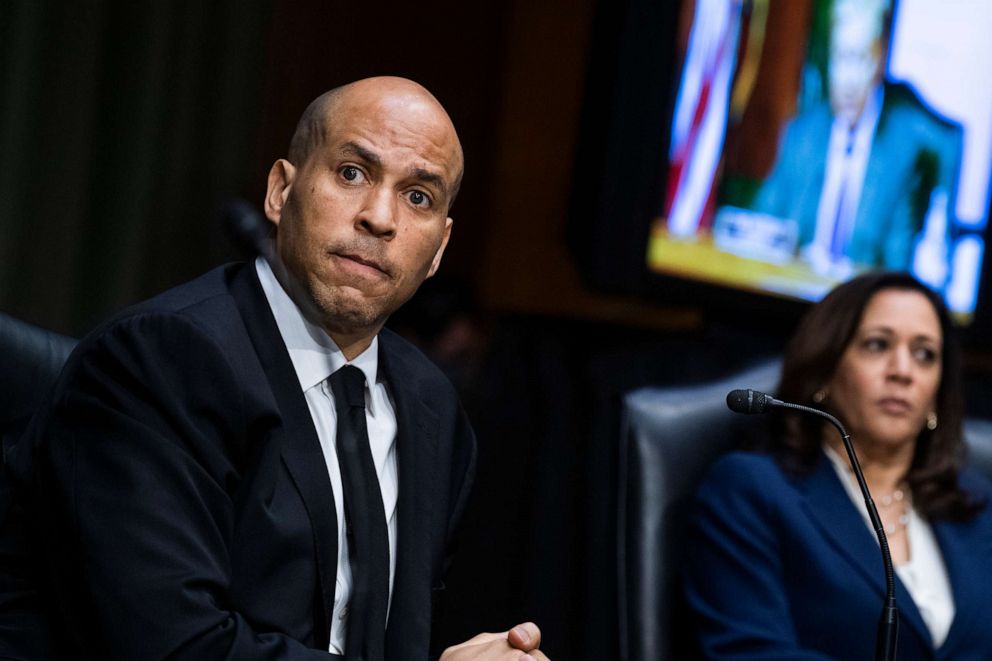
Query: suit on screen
column 784, row 567
column 912, row 151
column 183, row 499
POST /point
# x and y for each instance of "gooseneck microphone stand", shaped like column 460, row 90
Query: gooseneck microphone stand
column 752, row 401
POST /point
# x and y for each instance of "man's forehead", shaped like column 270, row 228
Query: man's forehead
column 377, row 131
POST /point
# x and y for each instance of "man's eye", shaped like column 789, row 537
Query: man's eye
column 351, row 173
column 419, row 199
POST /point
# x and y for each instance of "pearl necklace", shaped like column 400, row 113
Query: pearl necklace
column 896, row 498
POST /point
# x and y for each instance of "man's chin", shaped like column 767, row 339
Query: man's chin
column 351, row 311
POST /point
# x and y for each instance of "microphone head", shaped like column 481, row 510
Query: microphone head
column 747, row 401
column 245, row 226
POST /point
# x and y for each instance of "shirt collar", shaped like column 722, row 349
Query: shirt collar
column 868, row 119
column 314, row 354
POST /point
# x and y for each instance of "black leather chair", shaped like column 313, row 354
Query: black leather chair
column 32, row 359
column 670, row 436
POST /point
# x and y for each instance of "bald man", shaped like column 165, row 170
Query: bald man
column 249, row 466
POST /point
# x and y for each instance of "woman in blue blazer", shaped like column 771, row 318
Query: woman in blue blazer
column 782, row 563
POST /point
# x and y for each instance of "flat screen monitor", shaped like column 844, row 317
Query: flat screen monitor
column 810, row 141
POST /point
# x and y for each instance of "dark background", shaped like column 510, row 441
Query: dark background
column 124, row 126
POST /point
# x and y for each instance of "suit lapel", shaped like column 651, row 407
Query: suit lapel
column 965, row 549
column 297, row 437
column 416, row 447
column 844, row 528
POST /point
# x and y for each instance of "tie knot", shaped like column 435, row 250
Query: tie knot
column 348, row 386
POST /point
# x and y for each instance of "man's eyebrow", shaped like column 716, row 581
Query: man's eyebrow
column 361, row 152
column 428, row 177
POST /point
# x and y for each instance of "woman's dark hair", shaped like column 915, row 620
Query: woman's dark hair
column 812, row 357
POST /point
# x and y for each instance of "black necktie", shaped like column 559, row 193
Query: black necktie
column 365, row 517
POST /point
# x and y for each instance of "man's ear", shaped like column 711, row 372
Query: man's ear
column 436, row 262
column 280, row 181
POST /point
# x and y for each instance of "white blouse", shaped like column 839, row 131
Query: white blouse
column 924, row 575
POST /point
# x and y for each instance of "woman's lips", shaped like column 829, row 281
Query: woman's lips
column 894, row 406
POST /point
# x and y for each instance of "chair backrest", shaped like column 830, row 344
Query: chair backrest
column 670, row 437
column 32, row 359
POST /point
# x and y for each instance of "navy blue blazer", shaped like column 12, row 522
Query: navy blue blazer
column 784, row 567
column 181, row 495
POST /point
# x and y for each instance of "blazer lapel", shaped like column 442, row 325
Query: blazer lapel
column 845, row 529
column 965, row 549
column 416, row 447
column 300, row 446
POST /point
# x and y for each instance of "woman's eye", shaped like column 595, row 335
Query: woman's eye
column 925, row 355
column 351, row 173
column 419, row 199
column 876, row 344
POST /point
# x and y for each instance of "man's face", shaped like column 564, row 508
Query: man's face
column 363, row 220
column 855, row 65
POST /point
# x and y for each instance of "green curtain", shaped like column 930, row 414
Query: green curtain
column 122, row 124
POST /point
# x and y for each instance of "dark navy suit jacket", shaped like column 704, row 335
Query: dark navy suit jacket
column 182, row 497
column 782, row 567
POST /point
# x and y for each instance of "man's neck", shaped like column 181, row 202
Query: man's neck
column 352, row 344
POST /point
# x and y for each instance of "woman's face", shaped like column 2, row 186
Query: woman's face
column 886, row 382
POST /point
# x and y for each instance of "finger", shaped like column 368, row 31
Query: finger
column 484, row 638
column 480, row 639
column 534, row 655
column 524, row 636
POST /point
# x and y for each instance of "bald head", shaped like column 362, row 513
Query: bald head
column 371, row 95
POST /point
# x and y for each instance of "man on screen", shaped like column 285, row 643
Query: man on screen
column 862, row 173
column 249, row 466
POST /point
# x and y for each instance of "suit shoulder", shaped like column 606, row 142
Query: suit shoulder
column 975, row 482
column 739, row 473
column 904, row 101
column 743, row 465
column 744, row 489
column 190, row 320
column 205, row 301
column 189, row 295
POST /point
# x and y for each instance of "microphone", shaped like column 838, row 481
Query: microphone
column 247, row 229
column 750, row 402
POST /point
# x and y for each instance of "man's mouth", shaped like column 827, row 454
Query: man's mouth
column 362, row 264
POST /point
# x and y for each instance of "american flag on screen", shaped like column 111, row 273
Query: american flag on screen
column 700, row 118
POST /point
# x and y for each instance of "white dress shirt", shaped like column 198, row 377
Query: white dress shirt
column 843, row 182
column 924, row 575
column 315, row 357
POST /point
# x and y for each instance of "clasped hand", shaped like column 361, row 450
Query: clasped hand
column 518, row 644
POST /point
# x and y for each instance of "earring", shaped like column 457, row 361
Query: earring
column 932, row 420
column 820, row 395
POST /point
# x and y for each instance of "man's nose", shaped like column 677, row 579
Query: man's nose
column 378, row 213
